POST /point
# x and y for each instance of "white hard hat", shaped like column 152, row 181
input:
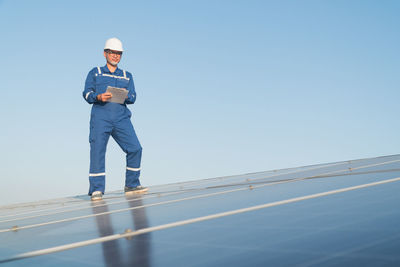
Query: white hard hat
column 113, row 44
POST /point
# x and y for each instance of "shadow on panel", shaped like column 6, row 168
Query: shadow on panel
column 134, row 251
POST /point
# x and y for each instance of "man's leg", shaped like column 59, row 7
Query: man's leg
column 99, row 135
column 125, row 136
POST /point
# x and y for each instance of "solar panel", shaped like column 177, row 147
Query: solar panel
column 343, row 213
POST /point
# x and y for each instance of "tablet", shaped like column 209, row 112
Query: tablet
column 118, row 94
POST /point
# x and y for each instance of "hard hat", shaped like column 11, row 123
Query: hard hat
column 113, row 44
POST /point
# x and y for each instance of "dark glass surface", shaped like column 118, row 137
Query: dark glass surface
column 355, row 228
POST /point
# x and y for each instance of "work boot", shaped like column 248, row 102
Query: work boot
column 97, row 195
column 137, row 189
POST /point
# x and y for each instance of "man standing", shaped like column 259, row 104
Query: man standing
column 109, row 118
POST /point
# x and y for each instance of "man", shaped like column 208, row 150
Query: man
column 109, row 118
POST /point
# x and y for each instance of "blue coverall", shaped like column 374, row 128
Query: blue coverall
column 113, row 119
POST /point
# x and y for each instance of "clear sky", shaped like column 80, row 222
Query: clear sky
column 223, row 87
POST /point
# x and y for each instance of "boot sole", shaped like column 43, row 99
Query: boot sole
column 139, row 191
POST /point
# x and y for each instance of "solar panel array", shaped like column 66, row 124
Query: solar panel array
column 337, row 214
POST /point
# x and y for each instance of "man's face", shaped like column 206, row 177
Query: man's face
column 113, row 57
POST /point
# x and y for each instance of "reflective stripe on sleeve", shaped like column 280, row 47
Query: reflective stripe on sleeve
column 88, row 94
column 98, row 70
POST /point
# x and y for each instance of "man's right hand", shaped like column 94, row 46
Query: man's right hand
column 104, row 97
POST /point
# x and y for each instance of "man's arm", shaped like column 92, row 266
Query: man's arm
column 89, row 93
column 131, row 98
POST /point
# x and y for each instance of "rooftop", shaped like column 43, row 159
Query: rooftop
column 342, row 213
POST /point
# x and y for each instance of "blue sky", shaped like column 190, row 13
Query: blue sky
column 224, row 87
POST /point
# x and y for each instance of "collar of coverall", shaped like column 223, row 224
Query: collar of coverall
column 106, row 70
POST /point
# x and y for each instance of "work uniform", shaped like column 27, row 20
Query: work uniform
column 113, row 119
